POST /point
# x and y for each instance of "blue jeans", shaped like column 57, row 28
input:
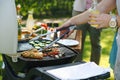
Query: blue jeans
column 117, row 64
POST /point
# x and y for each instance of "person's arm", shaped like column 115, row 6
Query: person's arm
column 105, row 6
column 103, row 19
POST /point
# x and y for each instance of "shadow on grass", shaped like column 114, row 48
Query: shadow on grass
column 106, row 43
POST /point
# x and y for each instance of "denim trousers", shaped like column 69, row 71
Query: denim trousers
column 117, row 64
column 94, row 40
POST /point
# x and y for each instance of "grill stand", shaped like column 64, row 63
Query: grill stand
column 38, row 73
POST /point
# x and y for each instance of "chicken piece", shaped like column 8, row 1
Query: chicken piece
column 34, row 53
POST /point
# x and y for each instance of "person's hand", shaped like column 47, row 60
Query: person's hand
column 102, row 20
column 67, row 24
column 66, row 35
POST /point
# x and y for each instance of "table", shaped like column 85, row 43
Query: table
column 40, row 73
column 78, row 37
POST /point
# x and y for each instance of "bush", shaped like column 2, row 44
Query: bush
column 46, row 8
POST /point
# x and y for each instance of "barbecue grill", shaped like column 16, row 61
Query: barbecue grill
column 24, row 65
column 39, row 73
column 34, row 69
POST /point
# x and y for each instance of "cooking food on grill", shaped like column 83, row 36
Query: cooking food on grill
column 39, row 43
column 53, row 52
column 27, row 34
column 33, row 53
column 49, row 52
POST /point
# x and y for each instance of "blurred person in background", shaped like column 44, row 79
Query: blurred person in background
column 102, row 20
column 80, row 6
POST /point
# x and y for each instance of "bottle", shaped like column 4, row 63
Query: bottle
column 94, row 11
column 19, row 31
column 18, row 8
column 55, row 34
column 30, row 21
column 19, row 20
column 49, row 31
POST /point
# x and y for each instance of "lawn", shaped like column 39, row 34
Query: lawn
column 106, row 42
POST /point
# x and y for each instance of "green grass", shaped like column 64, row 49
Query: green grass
column 106, row 43
column 1, row 67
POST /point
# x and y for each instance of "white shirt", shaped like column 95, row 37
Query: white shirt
column 79, row 5
column 118, row 9
column 118, row 6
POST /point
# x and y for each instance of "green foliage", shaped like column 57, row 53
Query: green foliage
column 46, row 8
column 107, row 36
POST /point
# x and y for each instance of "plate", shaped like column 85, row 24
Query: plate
column 68, row 42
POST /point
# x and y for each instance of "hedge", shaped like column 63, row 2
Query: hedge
column 46, row 8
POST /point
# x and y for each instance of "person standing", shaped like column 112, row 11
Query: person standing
column 102, row 20
column 79, row 7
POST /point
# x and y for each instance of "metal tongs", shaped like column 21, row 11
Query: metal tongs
column 69, row 28
column 35, row 31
